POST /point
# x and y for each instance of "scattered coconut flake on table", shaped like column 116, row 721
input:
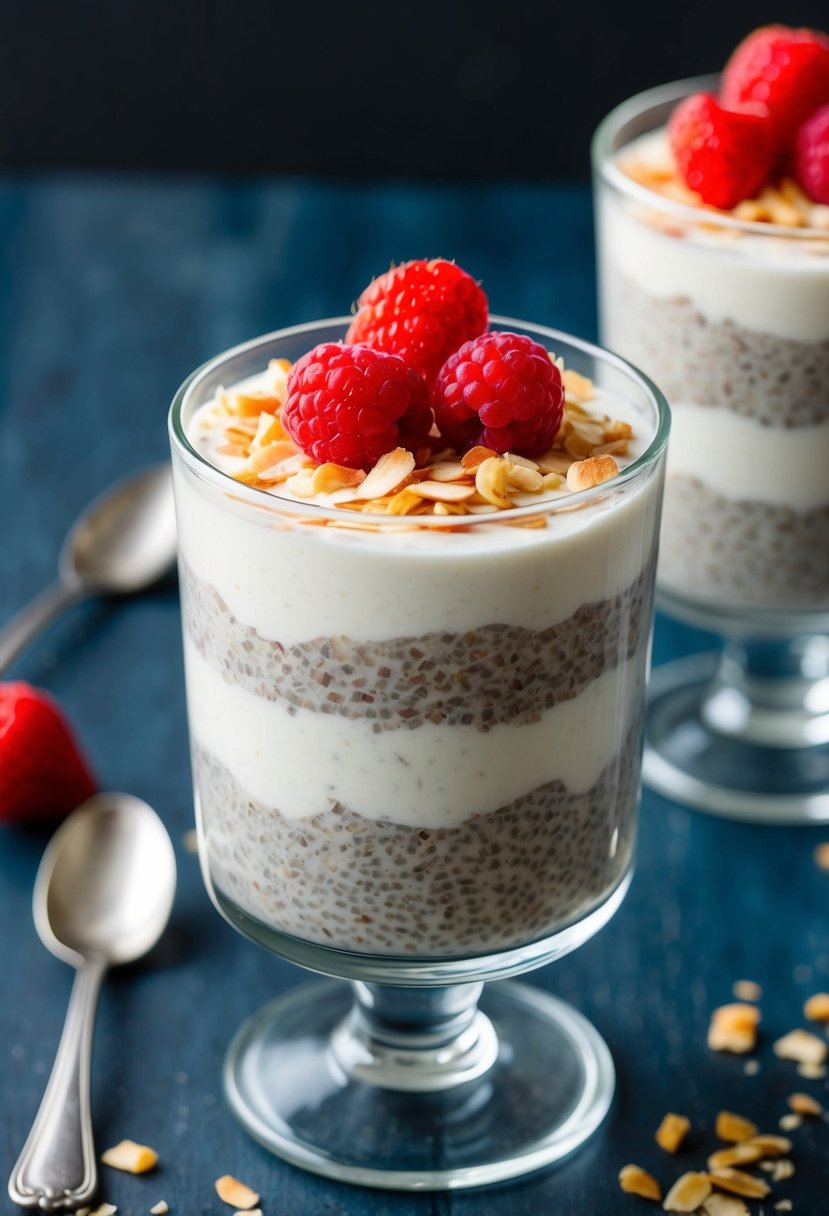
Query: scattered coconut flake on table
column 130, row 1157
column 234, row 1193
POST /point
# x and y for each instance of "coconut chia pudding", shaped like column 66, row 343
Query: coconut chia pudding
column 416, row 733
column 728, row 309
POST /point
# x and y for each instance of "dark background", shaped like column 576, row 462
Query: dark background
column 355, row 88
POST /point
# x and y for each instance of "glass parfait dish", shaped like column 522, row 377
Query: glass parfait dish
column 731, row 316
column 416, row 748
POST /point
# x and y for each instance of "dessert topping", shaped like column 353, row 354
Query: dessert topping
column 636, row 1181
column 131, row 1157
column 502, row 391
column 688, row 1193
column 734, row 1128
column 350, row 405
column 43, row 774
column 734, row 1028
column 816, row 1008
column 672, row 1131
column 723, row 155
column 780, row 72
column 234, row 1193
column 811, row 156
column 801, row 1046
column 423, row 311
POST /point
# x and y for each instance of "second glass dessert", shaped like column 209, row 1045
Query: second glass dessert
column 729, row 312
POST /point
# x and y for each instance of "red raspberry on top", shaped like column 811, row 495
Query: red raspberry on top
column 811, row 156
column 42, row 773
column 421, row 311
column 502, row 391
column 723, row 155
column 781, row 71
column 350, row 405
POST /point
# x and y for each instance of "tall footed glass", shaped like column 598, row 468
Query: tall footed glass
column 731, row 316
column 416, row 748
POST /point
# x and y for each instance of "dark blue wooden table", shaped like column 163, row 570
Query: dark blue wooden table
column 111, row 291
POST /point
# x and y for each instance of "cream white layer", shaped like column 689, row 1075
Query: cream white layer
column 767, row 284
column 293, row 584
column 741, row 459
column 433, row 776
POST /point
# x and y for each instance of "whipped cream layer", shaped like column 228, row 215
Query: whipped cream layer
column 741, row 459
column 435, row 776
column 766, row 283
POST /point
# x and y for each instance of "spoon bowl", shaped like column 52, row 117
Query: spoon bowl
column 106, row 882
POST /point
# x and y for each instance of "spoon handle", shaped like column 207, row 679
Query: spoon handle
column 37, row 614
column 56, row 1171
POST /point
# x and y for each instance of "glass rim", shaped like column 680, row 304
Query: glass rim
column 311, row 511
column 602, row 156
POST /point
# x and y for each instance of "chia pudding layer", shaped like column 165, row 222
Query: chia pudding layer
column 498, row 880
column 733, row 324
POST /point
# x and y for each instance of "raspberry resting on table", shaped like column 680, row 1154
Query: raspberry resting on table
column 42, row 773
column 811, row 156
column 422, row 311
column 779, row 71
column 724, row 155
column 501, row 391
column 350, row 405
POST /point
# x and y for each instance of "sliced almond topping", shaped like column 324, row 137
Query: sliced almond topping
column 724, row 1205
column 447, row 470
column 747, row 990
column 801, row 1046
column 302, row 483
column 734, row 1028
column 269, row 430
column 491, row 481
column 740, row 1183
column 816, row 1008
column 617, row 447
column 576, row 386
column 805, row 1104
column 672, row 1131
column 734, row 1127
column 554, row 462
column 688, row 1192
column 822, row 855
column 131, row 1157
column 441, row 491
column 271, row 454
column 251, row 404
column 738, row 1154
column 388, row 474
column 403, row 502
column 234, row 1193
column 475, row 457
column 160, row 1209
column 636, row 1181
column 552, row 481
column 329, row 477
column 771, row 1145
column 584, row 474
column 523, row 478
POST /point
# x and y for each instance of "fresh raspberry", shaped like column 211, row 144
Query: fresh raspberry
column 421, row 311
column 783, row 71
column 351, row 405
column 723, row 155
column 502, row 391
column 811, row 156
column 42, row 773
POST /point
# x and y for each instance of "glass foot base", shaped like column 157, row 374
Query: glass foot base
column 297, row 1080
column 691, row 757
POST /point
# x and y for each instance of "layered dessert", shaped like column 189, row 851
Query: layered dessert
column 415, row 674
column 714, row 278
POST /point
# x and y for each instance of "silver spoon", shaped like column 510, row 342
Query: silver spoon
column 103, row 894
column 124, row 541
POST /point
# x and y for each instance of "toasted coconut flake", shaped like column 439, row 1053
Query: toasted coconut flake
column 160, row 1209
column 688, row 1192
column 734, row 1128
column 252, row 404
column 738, row 1182
column 388, row 474
column 816, row 1008
column 403, row 502
column 554, row 462
column 790, row 1123
column 284, row 469
column 234, row 1193
column 524, row 478
column 475, row 457
column 734, row 1028
column 747, row 990
column 724, row 1205
column 103, row 1209
column 636, row 1181
column 577, row 387
column 131, row 1157
column 447, row 470
column 805, row 1104
column 271, row 454
column 784, row 1205
column 441, row 491
column 781, row 1170
column 233, row 449
column 801, row 1046
column 771, row 1145
column 738, row 1154
column 269, row 430
column 822, row 850
column 330, row 477
column 617, row 447
column 301, row 484
column 585, row 474
column 672, row 1131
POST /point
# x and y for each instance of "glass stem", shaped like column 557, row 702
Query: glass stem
column 772, row 693
column 417, row 1039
